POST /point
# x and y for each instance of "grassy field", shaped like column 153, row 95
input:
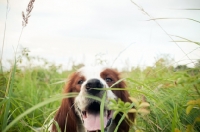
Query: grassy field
column 30, row 95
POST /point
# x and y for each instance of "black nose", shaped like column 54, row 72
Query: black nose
column 93, row 83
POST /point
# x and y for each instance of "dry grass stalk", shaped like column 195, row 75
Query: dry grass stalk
column 28, row 11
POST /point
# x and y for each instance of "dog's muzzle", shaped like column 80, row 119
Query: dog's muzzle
column 89, row 109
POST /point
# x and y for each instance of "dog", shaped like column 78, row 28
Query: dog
column 82, row 114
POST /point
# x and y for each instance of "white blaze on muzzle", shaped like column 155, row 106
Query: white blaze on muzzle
column 91, row 115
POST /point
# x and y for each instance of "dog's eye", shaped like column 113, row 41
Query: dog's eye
column 108, row 80
column 80, row 82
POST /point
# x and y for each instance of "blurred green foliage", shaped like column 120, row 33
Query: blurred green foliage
column 173, row 94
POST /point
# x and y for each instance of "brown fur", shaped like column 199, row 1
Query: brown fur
column 66, row 117
column 123, row 95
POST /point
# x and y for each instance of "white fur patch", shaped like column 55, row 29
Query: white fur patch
column 91, row 73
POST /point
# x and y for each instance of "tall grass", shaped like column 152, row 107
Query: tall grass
column 168, row 92
column 29, row 96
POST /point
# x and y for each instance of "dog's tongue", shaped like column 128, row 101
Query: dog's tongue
column 92, row 122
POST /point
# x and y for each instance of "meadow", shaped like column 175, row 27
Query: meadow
column 30, row 94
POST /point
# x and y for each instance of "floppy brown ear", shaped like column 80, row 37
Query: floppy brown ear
column 65, row 116
column 124, row 96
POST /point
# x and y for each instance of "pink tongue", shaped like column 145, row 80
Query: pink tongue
column 93, row 122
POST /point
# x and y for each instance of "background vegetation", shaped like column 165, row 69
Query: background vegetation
column 173, row 95
column 30, row 95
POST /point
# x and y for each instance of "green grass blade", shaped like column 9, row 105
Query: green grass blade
column 36, row 107
column 3, row 101
column 102, row 111
column 176, row 18
column 186, row 40
column 9, row 95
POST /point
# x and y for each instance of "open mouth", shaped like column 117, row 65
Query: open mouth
column 85, row 113
column 91, row 117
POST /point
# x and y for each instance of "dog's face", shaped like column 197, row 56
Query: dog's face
column 90, row 81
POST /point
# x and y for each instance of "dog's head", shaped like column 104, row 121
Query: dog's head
column 84, row 110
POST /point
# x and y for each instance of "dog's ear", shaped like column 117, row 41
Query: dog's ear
column 124, row 96
column 65, row 116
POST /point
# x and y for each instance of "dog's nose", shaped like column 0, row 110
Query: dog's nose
column 93, row 83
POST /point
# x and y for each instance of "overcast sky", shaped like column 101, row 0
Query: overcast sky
column 82, row 31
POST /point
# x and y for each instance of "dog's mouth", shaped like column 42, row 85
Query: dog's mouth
column 91, row 117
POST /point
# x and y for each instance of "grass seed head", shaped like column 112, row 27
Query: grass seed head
column 28, row 11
